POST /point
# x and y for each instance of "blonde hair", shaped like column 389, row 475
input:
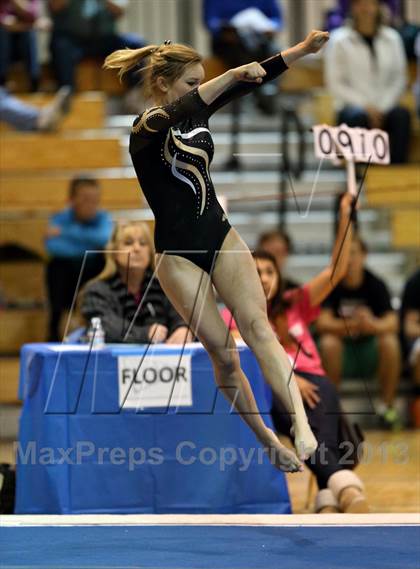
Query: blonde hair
column 168, row 60
column 111, row 268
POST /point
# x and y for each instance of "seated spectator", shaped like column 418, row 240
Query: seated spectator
column 366, row 68
column 127, row 296
column 87, row 28
column 290, row 314
column 336, row 17
column 18, row 38
column 237, row 44
column 25, row 117
column 279, row 245
column 359, row 332
column 80, row 228
column 410, row 328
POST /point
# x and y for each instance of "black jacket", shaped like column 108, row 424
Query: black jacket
column 116, row 307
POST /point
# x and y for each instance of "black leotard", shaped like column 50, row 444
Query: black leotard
column 171, row 148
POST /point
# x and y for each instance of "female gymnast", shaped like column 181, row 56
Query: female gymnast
column 171, row 148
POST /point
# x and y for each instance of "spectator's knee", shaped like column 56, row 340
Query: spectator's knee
column 388, row 343
column 330, row 344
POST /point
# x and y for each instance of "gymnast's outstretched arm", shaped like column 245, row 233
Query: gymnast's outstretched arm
column 215, row 93
column 242, row 80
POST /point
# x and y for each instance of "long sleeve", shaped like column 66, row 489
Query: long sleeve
column 398, row 82
column 91, row 236
column 336, row 70
column 98, row 302
column 75, row 237
column 274, row 66
column 159, row 119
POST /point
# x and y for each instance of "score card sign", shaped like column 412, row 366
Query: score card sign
column 354, row 144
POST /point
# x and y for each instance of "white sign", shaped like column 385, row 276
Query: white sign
column 154, row 381
column 354, row 144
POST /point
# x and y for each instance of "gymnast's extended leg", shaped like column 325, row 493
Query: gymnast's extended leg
column 191, row 292
column 236, row 280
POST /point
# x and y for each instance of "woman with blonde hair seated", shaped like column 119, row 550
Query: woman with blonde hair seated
column 126, row 295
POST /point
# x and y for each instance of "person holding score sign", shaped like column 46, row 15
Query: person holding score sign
column 171, row 148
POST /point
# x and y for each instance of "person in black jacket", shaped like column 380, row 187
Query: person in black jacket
column 126, row 295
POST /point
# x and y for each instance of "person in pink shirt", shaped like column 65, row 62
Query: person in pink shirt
column 291, row 312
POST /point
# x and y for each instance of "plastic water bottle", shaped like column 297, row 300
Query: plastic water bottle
column 96, row 334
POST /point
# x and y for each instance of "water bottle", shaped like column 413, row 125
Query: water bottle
column 96, row 334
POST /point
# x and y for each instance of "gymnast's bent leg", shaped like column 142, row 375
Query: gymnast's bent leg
column 190, row 291
column 237, row 282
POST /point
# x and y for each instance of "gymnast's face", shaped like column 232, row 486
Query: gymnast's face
column 133, row 249
column 191, row 78
column 268, row 276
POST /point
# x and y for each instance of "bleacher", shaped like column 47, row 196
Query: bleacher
column 35, row 170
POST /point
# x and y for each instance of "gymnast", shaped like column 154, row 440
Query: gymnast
column 171, row 148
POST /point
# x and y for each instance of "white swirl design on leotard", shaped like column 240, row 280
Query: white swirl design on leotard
column 197, row 183
column 180, row 176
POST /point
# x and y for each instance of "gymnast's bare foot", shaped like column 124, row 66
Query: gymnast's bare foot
column 280, row 456
column 304, row 439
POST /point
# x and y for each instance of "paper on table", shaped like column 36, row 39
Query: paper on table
column 253, row 19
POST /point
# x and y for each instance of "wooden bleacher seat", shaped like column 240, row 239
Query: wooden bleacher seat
column 89, row 77
column 393, row 186
column 23, row 280
column 20, row 326
column 27, row 232
column 44, row 152
column 46, row 193
column 9, row 380
column 303, row 77
column 87, row 109
column 406, row 228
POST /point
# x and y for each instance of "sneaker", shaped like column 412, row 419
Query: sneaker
column 51, row 114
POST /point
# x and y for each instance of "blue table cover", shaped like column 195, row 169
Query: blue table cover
column 71, row 422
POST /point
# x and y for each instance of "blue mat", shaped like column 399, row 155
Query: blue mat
column 211, row 547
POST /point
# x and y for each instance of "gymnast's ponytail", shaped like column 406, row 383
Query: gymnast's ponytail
column 126, row 59
column 167, row 60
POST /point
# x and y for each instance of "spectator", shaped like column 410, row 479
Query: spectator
column 290, row 314
column 410, row 328
column 366, row 69
column 238, row 42
column 18, row 38
column 87, row 28
column 127, row 296
column 80, row 228
column 337, row 17
column 359, row 332
column 28, row 118
column 279, row 244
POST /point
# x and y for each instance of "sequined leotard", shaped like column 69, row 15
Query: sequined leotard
column 171, row 148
